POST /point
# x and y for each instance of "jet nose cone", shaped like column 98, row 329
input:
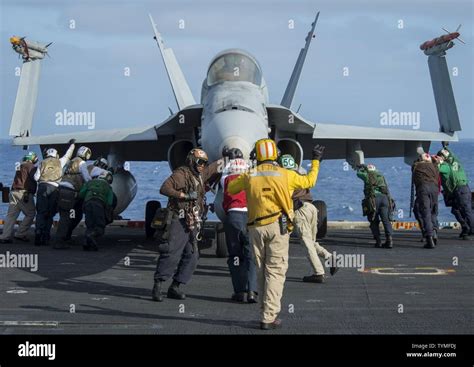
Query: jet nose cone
column 236, row 142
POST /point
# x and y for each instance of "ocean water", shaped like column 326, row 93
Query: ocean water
column 337, row 183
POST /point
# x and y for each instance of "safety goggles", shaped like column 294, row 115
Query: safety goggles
column 201, row 162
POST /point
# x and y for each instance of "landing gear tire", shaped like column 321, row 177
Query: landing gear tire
column 221, row 246
column 322, row 218
column 150, row 210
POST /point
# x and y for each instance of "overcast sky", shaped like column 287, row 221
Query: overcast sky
column 387, row 70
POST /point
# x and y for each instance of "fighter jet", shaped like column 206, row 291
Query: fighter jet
column 234, row 111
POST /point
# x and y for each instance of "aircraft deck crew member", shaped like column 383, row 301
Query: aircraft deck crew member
column 22, row 200
column 426, row 178
column 100, row 166
column 456, row 185
column 268, row 189
column 69, row 204
column 98, row 198
column 377, row 202
column 419, row 218
column 48, row 175
column 185, row 189
column 306, row 226
column 240, row 261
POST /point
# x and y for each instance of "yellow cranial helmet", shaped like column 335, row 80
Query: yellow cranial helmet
column 266, row 150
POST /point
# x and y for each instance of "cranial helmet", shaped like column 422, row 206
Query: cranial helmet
column 84, row 153
column 31, row 157
column 235, row 153
column 371, row 168
column 101, row 163
column 287, row 161
column 196, row 157
column 51, row 153
column 444, row 153
column 266, row 150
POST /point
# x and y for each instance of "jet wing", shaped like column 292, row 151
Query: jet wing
column 342, row 141
column 147, row 143
column 145, row 133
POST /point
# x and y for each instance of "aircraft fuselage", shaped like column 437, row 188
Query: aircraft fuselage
column 234, row 111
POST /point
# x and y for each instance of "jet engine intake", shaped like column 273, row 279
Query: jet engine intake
column 291, row 146
column 178, row 152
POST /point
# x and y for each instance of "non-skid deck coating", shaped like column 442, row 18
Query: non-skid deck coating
column 406, row 290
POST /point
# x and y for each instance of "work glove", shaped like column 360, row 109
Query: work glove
column 445, row 143
column 72, row 141
column 193, row 195
column 317, row 152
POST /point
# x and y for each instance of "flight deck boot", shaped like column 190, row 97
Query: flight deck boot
column 156, row 292
column 435, row 237
column 464, row 235
column 388, row 242
column 378, row 242
column 429, row 242
column 174, row 292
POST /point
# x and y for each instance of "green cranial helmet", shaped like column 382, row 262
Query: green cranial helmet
column 31, row 156
column 287, row 161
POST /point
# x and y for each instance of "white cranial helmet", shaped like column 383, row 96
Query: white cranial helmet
column 51, row 153
column 371, row 168
column 84, row 153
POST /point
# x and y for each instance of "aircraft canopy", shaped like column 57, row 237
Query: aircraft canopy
column 234, row 66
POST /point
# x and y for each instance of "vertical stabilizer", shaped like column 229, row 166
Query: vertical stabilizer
column 180, row 87
column 295, row 75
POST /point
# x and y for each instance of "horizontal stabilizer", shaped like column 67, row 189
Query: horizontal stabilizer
column 444, row 97
column 25, row 103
